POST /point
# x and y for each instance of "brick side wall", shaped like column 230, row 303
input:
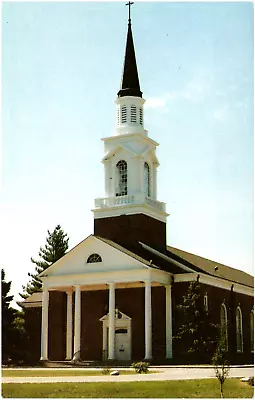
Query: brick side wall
column 127, row 230
column 33, row 321
column 216, row 297
column 57, row 326
column 94, row 305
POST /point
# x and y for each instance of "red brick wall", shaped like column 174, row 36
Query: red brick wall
column 127, row 230
column 33, row 321
column 231, row 299
column 57, row 326
column 94, row 305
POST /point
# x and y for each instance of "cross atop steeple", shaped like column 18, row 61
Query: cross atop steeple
column 129, row 4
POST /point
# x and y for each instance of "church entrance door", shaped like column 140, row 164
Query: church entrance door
column 122, row 340
column 122, row 344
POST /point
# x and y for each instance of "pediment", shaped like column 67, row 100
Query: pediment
column 116, row 150
column 118, row 315
column 75, row 262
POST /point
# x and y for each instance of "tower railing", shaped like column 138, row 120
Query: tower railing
column 139, row 199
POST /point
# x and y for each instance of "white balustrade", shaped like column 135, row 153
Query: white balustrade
column 140, row 198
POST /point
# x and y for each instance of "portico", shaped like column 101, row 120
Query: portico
column 143, row 279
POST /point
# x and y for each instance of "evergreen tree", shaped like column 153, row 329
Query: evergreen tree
column 195, row 335
column 8, row 315
column 55, row 248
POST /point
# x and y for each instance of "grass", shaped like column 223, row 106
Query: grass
column 203, row 388
column 66, row 372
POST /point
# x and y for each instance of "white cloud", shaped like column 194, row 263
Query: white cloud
column 156, row 102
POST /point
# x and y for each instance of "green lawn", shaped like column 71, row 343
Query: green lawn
column 66, row 372
column 204, row 388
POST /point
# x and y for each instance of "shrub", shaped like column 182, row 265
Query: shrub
column 106, row 370
column 141, row 367
column 251, row 381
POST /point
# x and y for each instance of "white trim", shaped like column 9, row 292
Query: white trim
column 214, row 281
column 167, row 258
column 123, row 322
column 45, row 324
column 252, row 330
column 61, row 281
column 111, row 337
column 131, row 136
column 130, row 209
column 69, row 324
column 169, row 333
column 77, row 323
column 148, row 321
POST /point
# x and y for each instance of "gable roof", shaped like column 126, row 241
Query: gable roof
column 146, row 257
column 212, row 268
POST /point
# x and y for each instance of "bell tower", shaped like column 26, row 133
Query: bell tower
column 130, row 211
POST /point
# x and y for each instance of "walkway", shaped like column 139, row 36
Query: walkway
column 163, row 374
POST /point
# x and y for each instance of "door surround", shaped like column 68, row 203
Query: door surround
column 121, row 321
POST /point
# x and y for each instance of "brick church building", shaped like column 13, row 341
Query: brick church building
column 114, row 295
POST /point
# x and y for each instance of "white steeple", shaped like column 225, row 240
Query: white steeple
column 130, row 160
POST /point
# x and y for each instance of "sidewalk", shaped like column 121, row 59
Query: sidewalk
column 163, row 374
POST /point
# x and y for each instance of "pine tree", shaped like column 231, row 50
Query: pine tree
column 55, row 248
column 195, row 334
column 8, row 315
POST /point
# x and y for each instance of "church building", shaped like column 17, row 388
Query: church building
column 114, row 295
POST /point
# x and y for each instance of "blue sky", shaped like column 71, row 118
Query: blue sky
column 61, row 71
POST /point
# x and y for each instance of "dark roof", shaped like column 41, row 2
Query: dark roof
column 130, row 81
column 165, row 261
column 211, row 267
column 146, row 257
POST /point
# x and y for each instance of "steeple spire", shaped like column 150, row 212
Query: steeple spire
column 130, row 81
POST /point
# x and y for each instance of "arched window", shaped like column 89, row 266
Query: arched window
column 224, row 326
column 123, row 114
column 93, row 258
column 121, row 189
column 239, row 330
column 252, row 330
column 147, row 179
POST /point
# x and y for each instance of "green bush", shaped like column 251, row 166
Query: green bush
column 251, row 381
column 141, row 367
column 106, row 370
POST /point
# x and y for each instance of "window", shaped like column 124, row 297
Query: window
column 206, row 302
column 239, row 330
column 252, row 330
column 121, row 330
column 121, row 189
column 93, row 258
column 133, row 114
column 123, row 114
column 141, row 116
column 224, row 326
column 147, row 179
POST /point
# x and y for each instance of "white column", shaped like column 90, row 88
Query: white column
column 77, row 323
column 69, row 325
column 45, row 317
column 148, row 322
column 111, row 337
column 169, row 350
